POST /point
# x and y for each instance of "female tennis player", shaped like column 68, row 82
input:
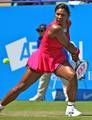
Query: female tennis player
column 50, row 58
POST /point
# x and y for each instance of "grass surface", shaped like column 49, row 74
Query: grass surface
column 25, row 110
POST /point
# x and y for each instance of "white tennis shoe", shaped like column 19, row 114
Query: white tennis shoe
column 1, row 107
column 72, row 111
column 36, row 98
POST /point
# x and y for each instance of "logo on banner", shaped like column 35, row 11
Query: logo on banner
column 19, row 51
column 87, row 96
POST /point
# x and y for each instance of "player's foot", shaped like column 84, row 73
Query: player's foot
column 36, row 98
column 1, row 107
column 71, row 111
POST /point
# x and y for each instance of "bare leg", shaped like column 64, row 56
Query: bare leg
column 67, row 72
column 28, row 79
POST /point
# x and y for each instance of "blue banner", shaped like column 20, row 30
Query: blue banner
column 18, row 39
column 33, row 1
column 39, row 1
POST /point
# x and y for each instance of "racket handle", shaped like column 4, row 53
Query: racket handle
column 78, row 62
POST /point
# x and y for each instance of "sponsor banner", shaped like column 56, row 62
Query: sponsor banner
column 40, row 0
column 5, row 0
column 82, row 95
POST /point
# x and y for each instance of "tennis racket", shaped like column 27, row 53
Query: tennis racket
column 81, row 69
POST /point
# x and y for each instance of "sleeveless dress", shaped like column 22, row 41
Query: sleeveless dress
column 49, row 55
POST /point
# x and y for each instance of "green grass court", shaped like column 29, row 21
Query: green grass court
column 25, row 110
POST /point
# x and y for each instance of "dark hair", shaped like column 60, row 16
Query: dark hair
column 41, row 27
column 64, row 6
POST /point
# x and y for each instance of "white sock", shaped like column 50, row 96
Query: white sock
column 1, row 107
column 71, row 103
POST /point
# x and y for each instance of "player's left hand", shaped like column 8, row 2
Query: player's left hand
column 75, row 57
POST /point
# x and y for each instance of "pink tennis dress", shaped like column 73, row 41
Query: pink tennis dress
column 49, row 55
